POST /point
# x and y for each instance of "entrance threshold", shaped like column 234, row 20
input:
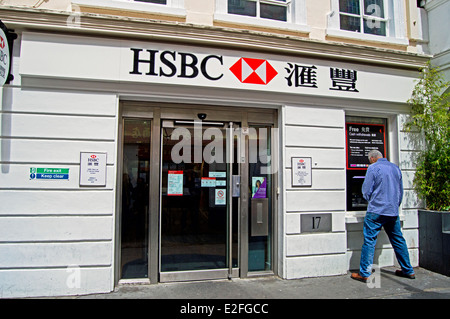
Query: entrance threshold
column 197, row 275
column 135, row 281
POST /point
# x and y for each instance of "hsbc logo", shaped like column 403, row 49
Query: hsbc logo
column 254, row 71
column 2, row 43
column 188, row 65
column 93, row 160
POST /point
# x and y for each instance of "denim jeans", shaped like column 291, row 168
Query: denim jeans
column 372, row 226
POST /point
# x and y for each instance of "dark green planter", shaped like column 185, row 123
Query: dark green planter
column 434, row 241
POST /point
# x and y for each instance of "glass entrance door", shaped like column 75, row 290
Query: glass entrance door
column 199, row 215
column 196, row 198
column 135, row 198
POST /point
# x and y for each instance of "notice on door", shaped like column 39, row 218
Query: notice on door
column 259, row 187
column 221, row 197
column 92, row 169
column 175, row 183
column 208, row 182
column 361, row 139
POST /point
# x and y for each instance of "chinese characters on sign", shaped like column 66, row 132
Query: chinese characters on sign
column 303, row 75
column 306, row 76
column 343, row 80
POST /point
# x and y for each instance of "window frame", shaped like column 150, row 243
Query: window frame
column 285, row 4
column 394, row 16
column 172, row 8
column 364, row 17
column 296, row 16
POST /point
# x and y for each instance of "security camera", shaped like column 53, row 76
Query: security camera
column 201, row 116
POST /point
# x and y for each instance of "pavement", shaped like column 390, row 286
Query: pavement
column 384, row 285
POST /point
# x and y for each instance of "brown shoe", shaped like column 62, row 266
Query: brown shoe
column 358, row 277
column 402, row 274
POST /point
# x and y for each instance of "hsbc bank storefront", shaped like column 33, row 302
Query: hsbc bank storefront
column 140, row 161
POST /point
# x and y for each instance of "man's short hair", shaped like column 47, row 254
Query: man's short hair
column 374, row 154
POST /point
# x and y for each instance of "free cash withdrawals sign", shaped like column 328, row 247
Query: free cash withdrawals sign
column 361, row 139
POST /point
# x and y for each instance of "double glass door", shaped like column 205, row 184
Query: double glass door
column 199, row 215
column 196, row 199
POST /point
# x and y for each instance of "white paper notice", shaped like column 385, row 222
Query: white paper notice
column 92, row 169
column 221, row 197
column 301, row 171
column 175, row 183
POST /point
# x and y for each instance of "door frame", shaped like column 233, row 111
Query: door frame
column 219, row 273
column 156, row 112
column 138, row 111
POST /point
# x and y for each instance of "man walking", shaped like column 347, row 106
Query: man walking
column 383, row 189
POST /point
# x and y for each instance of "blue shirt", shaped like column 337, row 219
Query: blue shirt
column 383, row 188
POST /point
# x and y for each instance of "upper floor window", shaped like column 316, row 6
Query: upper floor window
column 165, row 7
column 153, row 1
column 367, row 16
column 267, row 9
column 368, row 20
column 280, row 14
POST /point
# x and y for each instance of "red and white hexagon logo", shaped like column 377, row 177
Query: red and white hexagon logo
column 255, row 71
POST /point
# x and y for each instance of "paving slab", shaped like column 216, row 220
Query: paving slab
column 427, row 285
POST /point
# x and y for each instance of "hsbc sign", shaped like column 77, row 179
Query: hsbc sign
column 213, row 67
column 137, row 62
column 278, row 74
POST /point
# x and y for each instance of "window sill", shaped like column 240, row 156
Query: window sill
column 261, row 23
column 348, row 35
column 133, row 6
column 356, row 217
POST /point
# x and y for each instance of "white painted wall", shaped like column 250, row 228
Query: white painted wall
column 318, row 133
column 47, row 226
